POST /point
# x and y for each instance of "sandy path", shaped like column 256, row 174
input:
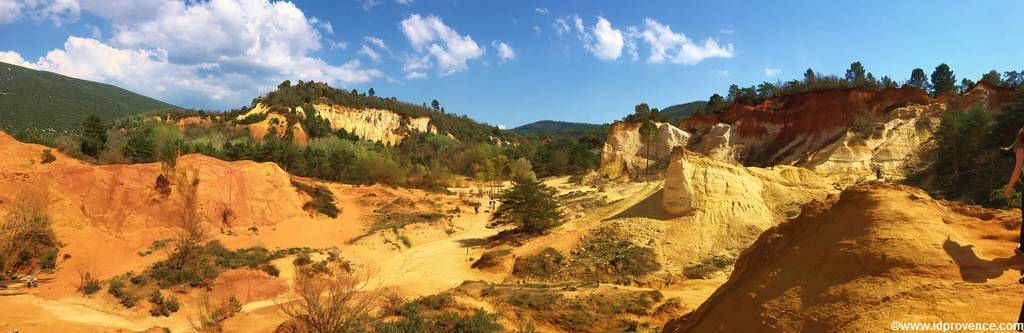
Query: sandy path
column 432, row 267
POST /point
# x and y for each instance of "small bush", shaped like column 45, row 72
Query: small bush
column 405, row 240
column 49, row 259
column 543, row 265
column 302, row 259
column 322, row 200
column 89, row 284
column 161, row 306
column 48, row 156
column 705, row 269
column 270, row 269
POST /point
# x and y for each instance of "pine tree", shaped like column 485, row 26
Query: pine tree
column 943, row 80
column 530, row 205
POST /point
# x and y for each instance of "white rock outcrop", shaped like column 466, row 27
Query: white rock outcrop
column 626, row 153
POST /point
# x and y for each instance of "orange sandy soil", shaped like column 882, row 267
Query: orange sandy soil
column 106, row 215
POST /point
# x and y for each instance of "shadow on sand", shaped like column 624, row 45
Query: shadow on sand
column 648, row 208
column 977, row 270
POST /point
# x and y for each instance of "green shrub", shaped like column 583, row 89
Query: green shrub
column 704, row 269
column 162, row 306
column 270, row 269
column 321, row 199
column 302, row 259
column 48, row 156
column 89, row 284
column 49, row 259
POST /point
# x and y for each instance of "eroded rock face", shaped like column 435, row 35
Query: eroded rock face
column 382, row 126
column 716, row 143
column 625, row 153
column 725, row 205
column 123, row 197
column 883, row 151
column 784, row 129
column 377, row 125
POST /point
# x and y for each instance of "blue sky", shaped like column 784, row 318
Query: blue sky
column 505, row 63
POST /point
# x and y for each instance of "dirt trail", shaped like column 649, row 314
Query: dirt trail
column 439, row 265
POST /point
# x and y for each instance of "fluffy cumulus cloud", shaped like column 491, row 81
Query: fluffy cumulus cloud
column 606, row 42
column 224, row 50
column 666, row 45
column 772, row 72
column 437, row 44
column 541, row 10
column 603, row 40
column 505, row 52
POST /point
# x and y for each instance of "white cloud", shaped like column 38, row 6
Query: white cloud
column 727, row 31
column 541, row 10
column 379, row 43
column 15, row 58
column 607, row 41
column 217, row 53
column 676, row 48
column 326, row 27
column 722, row 72
column 448, row 50
column 536, row 29
column 505, row 52
column 337, row 45
column 369, row 52
column 369, row 4
column 772, row 72
column 10, row 10
column 560, row 25
column 415, row 75
column 403, row 2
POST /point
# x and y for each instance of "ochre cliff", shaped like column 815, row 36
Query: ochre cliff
column 862, row 260
column 626, row 153
column 786, row 128
column 725, row 205
column 376, row 125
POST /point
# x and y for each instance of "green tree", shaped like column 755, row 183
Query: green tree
column 855, row 75
column 943, row 80
column 966, row 84
column 648, row 131
column 435, row 105
column 809, row 76
column 715, row 104
column 371, row 93
column 765, row 90
column 887, row 82
column 962, row 141
column 918, row 79
column 140, row 147
column 94, row 136
column 993, row 78
column 522, row 169
column 529, row 205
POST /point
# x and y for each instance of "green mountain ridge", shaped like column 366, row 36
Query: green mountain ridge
column 40, row 99
column 682, row 111
column 553, row 127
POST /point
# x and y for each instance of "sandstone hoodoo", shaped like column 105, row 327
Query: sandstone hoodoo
column 858, row 261
column 627, row 153
column 724, row 206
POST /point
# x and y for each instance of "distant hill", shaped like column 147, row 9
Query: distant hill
column 463, row 128
column 553, row 127
column 682, row 111
column 31, row 98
